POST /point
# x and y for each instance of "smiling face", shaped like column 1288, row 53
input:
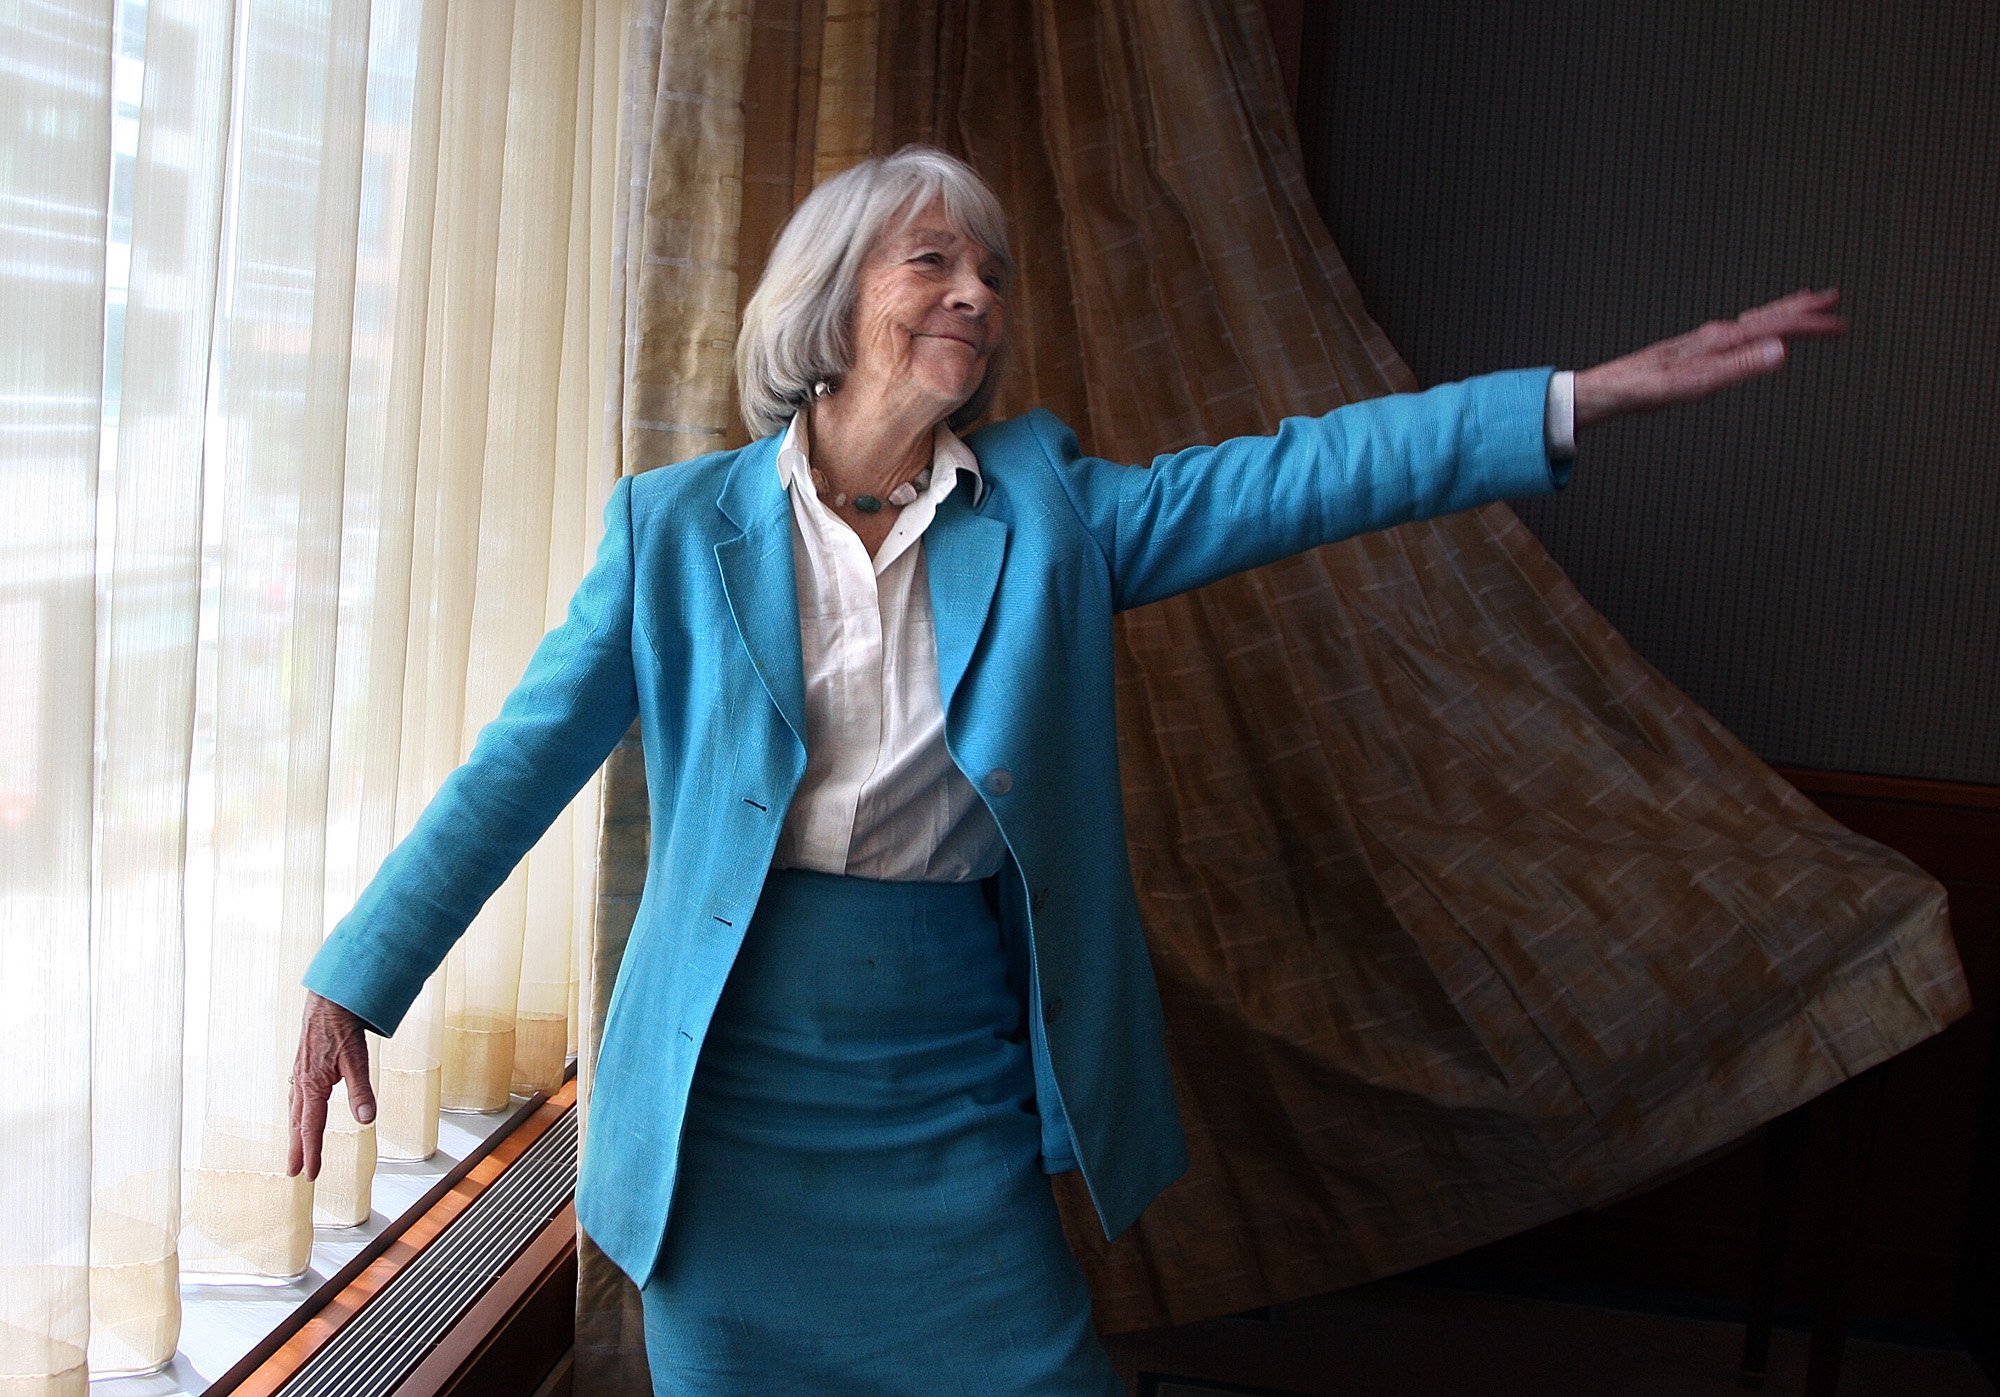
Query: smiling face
column 928, row 316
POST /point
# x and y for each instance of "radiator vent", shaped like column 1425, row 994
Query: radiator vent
column 400, row 1326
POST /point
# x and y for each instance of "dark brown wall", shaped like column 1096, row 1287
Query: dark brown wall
column 1813, row 558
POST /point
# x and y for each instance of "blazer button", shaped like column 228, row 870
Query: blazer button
column 1038, row 899
column 999, row 781
column 1052, row 1010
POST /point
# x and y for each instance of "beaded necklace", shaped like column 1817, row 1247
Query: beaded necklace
column 903, row 494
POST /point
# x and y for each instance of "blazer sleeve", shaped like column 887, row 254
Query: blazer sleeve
column 1203, row 513
column 576, row 699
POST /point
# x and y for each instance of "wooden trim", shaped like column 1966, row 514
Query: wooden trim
column 290, row 1346
column 1904, row 790
column 561, row 1381
column 1949, row 829
column 1976, row 1312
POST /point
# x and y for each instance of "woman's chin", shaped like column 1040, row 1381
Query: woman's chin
column 949, row 394
column 949, row 367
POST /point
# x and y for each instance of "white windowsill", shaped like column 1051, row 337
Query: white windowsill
column 221, row 1323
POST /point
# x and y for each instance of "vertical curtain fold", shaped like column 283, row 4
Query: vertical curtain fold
column 683, row 185
column 274, row 472
column 151, row 604
column 450, row 484
column 385, row 620
column 53, row 217
column 510, row 608
column 1463, row 916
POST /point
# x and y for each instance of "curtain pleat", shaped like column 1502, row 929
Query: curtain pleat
column 684, row 183
column 150, row 622
column 273, row 474
column 510, row 607
column 1463, row 916
column 448, row 1030
column 386, row 616
column 52, row 278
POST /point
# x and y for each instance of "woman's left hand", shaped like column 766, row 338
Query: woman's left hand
column 1720, row 353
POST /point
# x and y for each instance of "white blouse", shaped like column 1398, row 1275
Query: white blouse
column 881, row 797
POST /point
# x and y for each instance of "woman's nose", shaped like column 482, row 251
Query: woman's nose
column 970, row 295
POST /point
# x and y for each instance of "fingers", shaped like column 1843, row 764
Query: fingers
column 311, row 1135
column 1707, row 359
column 1752, row 360
column 1806, row 300
column 303, row 1154
column 1722, row 363
column 1798, row 303
column 1803, row 314
column 354, row 1071
column 333, row 1047
column 1758, row 342
column 295, row 1159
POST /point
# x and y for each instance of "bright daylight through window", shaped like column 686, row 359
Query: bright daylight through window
column 302, row 380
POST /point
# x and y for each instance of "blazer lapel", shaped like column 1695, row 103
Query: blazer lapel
column 758, row 577
column 963, row 550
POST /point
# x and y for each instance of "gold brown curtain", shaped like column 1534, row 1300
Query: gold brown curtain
column 1464, row 917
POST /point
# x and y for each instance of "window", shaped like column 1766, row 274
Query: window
column 295, row 363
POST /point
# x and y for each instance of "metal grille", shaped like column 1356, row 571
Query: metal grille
column 399, row 1327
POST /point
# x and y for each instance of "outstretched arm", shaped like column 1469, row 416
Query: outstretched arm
column 1209, row 511
column 575, row 701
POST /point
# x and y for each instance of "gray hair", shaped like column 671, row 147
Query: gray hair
column 796, row 330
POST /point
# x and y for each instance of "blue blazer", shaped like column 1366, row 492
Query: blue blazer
column 688, row 622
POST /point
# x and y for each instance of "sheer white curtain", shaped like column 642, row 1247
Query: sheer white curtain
column 303, row 310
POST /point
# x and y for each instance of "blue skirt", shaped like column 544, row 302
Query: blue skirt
column 860, row 1205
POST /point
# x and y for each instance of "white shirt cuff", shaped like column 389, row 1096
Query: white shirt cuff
column 1559, row 416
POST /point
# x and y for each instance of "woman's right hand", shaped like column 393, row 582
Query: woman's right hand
column 333, row 1047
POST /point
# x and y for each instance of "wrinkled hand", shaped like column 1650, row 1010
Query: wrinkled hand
column 333, row 1046
column 1719, row 354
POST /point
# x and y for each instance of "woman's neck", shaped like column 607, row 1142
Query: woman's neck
column 867, row 448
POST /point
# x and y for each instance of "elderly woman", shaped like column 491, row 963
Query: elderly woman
column 889, row 969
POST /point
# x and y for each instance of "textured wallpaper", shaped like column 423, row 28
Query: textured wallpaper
column 1815, row 558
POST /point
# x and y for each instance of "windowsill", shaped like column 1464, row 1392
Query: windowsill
column 222, row 1323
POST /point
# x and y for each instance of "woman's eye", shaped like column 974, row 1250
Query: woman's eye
column 993, row 282
column 931, row 259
